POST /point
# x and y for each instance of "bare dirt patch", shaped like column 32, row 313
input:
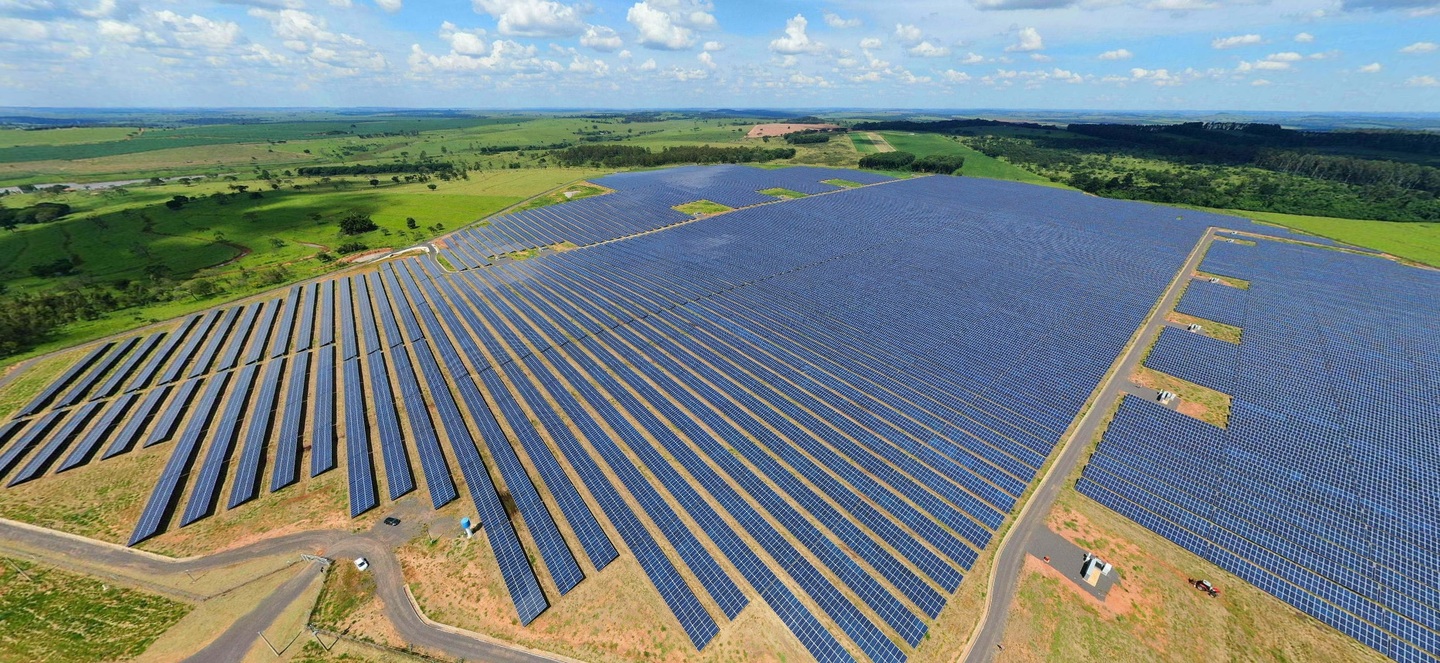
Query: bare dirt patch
column 765, row 130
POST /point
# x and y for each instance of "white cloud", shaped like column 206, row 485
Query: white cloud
column 601, row 38
column 1372, row 68
column 1304, row 38
column 1232, row 42
column 293, row 25
column 1422, row 81
column 1421, row 47
column 972, row 58
column 390, row 6
column 462, row 42
column 1027, row 40
column 713, row 46
column 705, row 59
column 1040, row 57
column 670, row 24
column 871, row 43
column 1117, row 54
column 102, row 9
column 1181, row 6
column 533, row 18
column 834, row 21
column 1260, row 82
column 925, row 49
column 908, row 34
column 795, row 40
column 648, row 65
column 343, row 4
column 125, row 33
column 1161, row 77
column 502, row 55
column 1289, row 56
column 802, row 79
column 21, row 29
column 196, row 31
column 952, row 76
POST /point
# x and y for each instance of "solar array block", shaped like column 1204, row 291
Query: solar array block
column 198, row 334
column 263, row 330
column 222, row 442
column 247, row 473
column 174, row 411
column 53, row 389
column 357, row 442
column 306, row 335
column 438, row 481
column 364, row 302
column 126, row 371
column 135, row 424
column 345, row 318
column 287, row 441
column 218, row 334
column 322, row 422
column 60, row 439
column 167, row 489
column 83, row 385
column 327, row 312
column 282, row 341
column 398, row 476
column 104, row 426
column 24, row 443
column 231, row 357
column 165, row 353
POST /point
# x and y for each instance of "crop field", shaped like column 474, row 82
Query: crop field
column 53, row 615
column 976, row 163
column 702, row 411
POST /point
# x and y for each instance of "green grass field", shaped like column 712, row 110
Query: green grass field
column 1419, row 242
column 976, row 164
column 52, row 615
column 782, row 193
column 702, row 207
column 862, row 143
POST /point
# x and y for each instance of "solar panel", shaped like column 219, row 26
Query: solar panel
column 304, row 337
column 142, row 378
column 217, row 339
column 287, row 441
column 25, row 442
column 247, row 473
column 262, row 331
column 282, row 341
column 345, row 318
column 231, row 357
column 398, row 476
column 413, row 332
column 161, row 504
column 437, row 474
column 126, row 371
column 382, row 301
column 48, row 454
column 222, row 442
column 106, row 424
column 322, row 423
column 44, row 398
column 364, row 302
column 327, row 312
column 197, row 335
column 83, row 385
column 135, row 424
column 169, row 419
column 357, row 442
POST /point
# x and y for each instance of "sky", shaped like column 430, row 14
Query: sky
column 1293, row 55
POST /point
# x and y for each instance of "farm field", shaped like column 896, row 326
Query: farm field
column 976, row 164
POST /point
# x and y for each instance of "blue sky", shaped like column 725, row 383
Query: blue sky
column 1308, row 55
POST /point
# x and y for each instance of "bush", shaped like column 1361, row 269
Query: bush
column 887, row 161
column 356, row 223
column 59, row 267
column 807, row 138
column 351, row 247
column 938, row 163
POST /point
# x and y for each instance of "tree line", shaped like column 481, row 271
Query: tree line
column 945, row 164
column 618, row 156
column 375, row 169
column 10, row 217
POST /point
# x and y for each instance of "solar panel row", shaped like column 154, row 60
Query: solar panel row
column 56, row 444
column 222, row 441
column 217, row 336
column 322, row 422
column 167, row 488
column 257, row 433
column 166, row 352
column 126, row 371
column 287, row 441
column 53, row 389
column 263, row 330
column 135, row 424
column 360, row 466
column 104, row 364
column 104, row 426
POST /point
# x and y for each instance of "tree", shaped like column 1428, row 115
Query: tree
column 411, row 223
column 356, row 223
column 430, row 186
column 374, row 182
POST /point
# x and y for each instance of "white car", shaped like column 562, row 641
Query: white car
column 361, row 563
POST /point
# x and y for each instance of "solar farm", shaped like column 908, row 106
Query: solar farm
column 824, row 407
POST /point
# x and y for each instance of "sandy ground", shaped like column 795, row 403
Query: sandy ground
column 763, row 130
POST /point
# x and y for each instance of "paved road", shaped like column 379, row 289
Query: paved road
column 1010, row 558
column 378, row 546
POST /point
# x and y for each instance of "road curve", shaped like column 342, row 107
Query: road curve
column 1010, row 557
column 378, row 546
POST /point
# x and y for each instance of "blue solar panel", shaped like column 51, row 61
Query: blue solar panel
column 174, row 411
column 222, row 442
column 106, row 424
column 282, row 341
column 327, row 312
column 257, row 433
column 345, row 318
column 217, row 335
column 167, row 489
column 165, row 353
column 263, row 330
column 198, row 334
column 398, row 476
column 83, row 385
column 126, row 371
column 363, row 302
column 304, row 337
column 437, row 474
column 25, row 442
column 61, row 438
column 135, row 424
column 44, row 398
column 357, row 442
column 231, row 357
column 322, row 422
column 287, row 441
